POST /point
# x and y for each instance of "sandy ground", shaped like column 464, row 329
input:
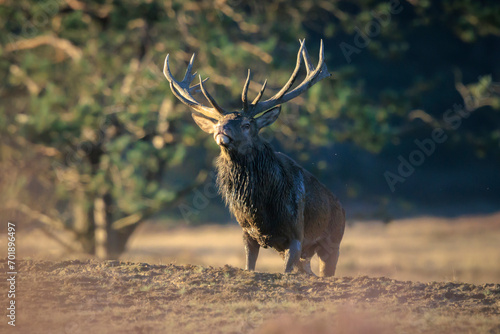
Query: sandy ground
column 119, row 297
column 424, row 275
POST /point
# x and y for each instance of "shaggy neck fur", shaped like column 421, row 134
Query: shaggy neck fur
column 254, row 185
column 240, row 176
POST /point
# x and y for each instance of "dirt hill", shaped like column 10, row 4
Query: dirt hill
column 122, row 297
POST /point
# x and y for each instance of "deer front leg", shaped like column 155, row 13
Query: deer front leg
column 251, row 250
column 292, row 255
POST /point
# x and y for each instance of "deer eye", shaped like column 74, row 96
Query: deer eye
column 245, row 126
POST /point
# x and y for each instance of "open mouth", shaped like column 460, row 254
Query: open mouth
column 222, row 139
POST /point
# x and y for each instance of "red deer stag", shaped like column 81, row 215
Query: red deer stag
column 277, row 203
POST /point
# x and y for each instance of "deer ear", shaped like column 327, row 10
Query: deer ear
column 268, row 117
column 205, row 123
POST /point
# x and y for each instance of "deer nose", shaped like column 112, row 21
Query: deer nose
column 222, row 129
column 222, row 139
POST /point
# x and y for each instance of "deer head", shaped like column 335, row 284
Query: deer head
column 239, row 130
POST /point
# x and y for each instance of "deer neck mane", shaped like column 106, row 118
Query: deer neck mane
column 246, row 180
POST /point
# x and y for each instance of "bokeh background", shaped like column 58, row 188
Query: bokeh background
column 93, row 143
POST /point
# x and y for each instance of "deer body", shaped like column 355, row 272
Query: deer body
column 277, row 203
column 251, row 192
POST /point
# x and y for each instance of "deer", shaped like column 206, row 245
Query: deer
column 276, row 202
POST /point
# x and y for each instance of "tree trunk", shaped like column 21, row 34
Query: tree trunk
column 117, row 240
column 100, row 230
column 110, row 242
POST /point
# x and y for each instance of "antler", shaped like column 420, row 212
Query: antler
column 314, row 74
column 184, row 93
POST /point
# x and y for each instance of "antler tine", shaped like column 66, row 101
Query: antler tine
column 290, row 82
column 257, row 99
column 182, row 91
column 210, row 98
column 314, row 74
column 244, row 93
column 247, row 110
column 188, row 77
column 307, row 60
column 196, row 88
column 321, row 62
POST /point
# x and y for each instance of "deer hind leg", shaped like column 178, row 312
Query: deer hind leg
column 328, row 258
column 302, row 266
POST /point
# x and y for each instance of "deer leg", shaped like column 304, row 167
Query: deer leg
column 251, row 250
column 292, row 255
column 304, row 266
column 328, row 258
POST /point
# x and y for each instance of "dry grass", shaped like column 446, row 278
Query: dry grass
column 116, row 297
column 465, row 249
column 425, row 249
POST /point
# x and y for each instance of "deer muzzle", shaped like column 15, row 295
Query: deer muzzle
column 222, row 139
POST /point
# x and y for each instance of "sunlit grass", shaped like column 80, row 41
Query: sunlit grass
column 426, row 249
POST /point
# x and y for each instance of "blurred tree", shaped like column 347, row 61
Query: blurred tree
column 93, row 143
column 85, row 104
